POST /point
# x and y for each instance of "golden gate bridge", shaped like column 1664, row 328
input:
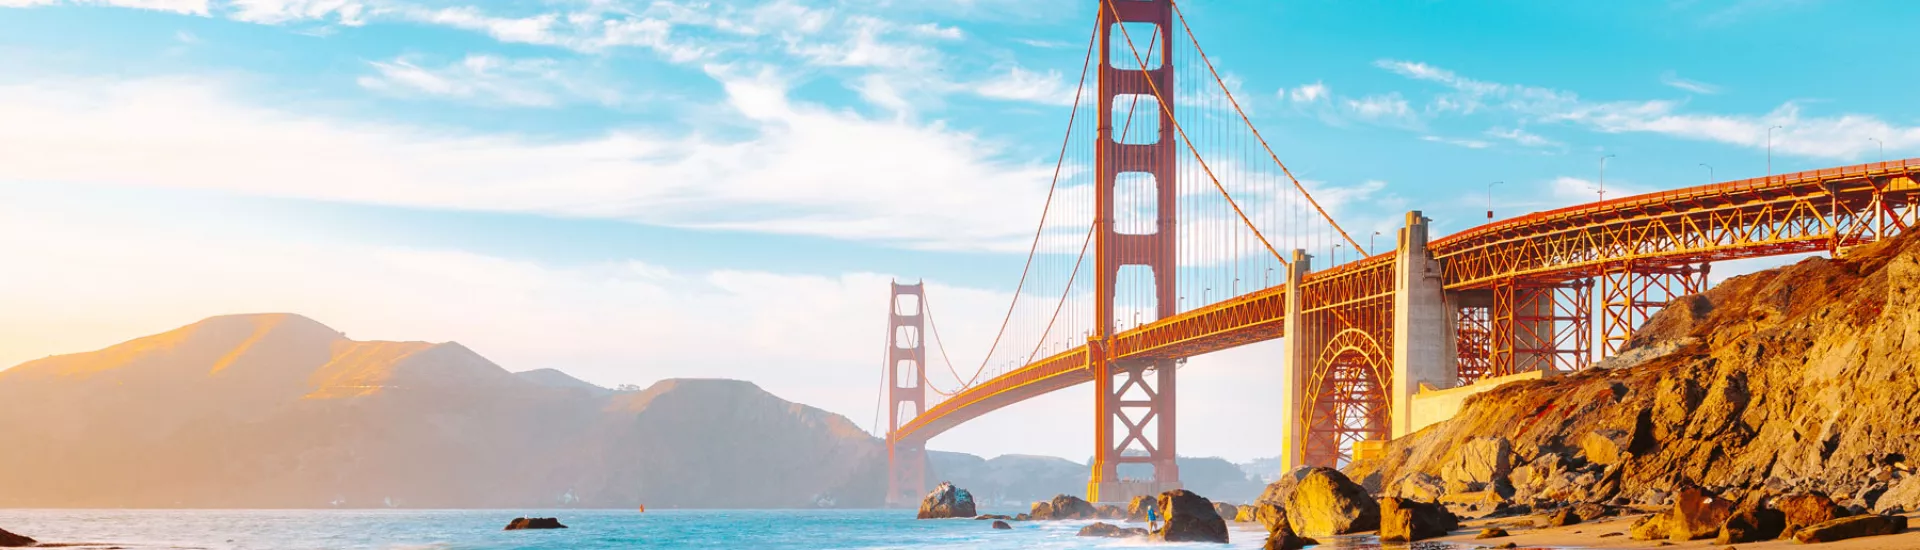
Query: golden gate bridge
column 1173, row 229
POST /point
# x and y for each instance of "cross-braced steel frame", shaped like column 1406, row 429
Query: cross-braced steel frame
column 906, row 392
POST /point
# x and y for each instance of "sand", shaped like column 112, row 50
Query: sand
column 1589, row 535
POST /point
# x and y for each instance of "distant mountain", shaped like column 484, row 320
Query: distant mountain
column 265, row 411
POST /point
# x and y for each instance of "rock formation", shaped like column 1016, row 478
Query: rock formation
column 1108, row 530
column 1403, row 520
column 10, row 540
column 1189, row 518
column 1852, row 527
column 1785, row 381
column 1226, row 511
column 534, row 523
column 947, row 501
column 1137, row 508
column 1326, row 503
column 1063, row 507
column 998, row 524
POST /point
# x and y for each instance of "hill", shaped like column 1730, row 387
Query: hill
column 280, row 411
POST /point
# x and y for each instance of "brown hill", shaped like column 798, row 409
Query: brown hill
column 1801, row 377
column 277, row 410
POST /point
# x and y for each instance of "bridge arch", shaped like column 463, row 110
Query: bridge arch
column 1347, row 397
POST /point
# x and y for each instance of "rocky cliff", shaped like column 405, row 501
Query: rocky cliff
column 256, row 411
column 1802, row 377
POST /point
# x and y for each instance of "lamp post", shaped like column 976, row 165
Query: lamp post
column 1490, row 199
column 1373, row 240
column 1709, row 172
column 1770, row 152
column 1603, row 177
column 1883, row 149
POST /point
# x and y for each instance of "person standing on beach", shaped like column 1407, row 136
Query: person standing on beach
column 1153, row 518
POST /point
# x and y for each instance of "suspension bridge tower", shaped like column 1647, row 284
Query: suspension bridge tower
column 1134, row 399
column 906, row 392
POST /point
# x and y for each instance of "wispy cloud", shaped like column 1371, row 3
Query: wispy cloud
column 1522, row 137
column 1019, row 84
column 191, row 7
column 1671, row 79
column 488, row 80
column 1461, row 142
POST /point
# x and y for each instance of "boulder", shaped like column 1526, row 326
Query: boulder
column 1421, row 487
column 10, row 540
column 1653, row 527
column 1278, row 491
column 1901, row 496
column 1137, row 508
column 1325, row 503
column 1403, row 520
column 1697, row 514
column 1590, row 511
column 947, row 501
column 1109, row 511
column 1561, row 518
column 1802, row 510
column 1752, row 522
column 1280, row 536
column 1266, row 514
column 1111, row 531
column 534, row 523
column 1189, row 518
column 1852, row 527
column 1064, row 507
column 1226, row 511
column 1023, row 517
column 997, row 524
column 1491, row 533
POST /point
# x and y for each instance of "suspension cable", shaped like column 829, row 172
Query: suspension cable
column 1155, row 86
column 1071, row 277
column 942, row 346
column 1256, row 132
column 1046, row 209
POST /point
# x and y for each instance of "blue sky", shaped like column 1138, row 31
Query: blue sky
column 632, row 190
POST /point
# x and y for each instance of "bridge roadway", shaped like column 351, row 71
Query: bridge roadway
column 1812, row 211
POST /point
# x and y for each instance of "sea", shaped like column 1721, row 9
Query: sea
column 612, row 529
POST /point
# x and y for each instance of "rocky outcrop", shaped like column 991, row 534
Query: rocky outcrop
column 1266, row 514
column 10, row 540
column 534, row 523
column 1278, row 491
column 1109, row 530
column 997, row 524
column 1562, row 518
column 1280, row 535
column 947, row 501
column 1491, row 533
column 1111, row 512
column 1190, row 518
column 1326, row 503
column 1063, row 507
column 1137, row 508
column 1403, row 520
column 1852, row 527
column 1752, row 522
column 1653, row 527
column 1791, row 380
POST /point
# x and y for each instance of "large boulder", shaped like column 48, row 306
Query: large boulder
column 1403, row 520
column 997, row 524
column 1325, row 503
column 1226, row 511
column 1190, row 518
column 1278, row 491
column 534, row 523
column 1280, row 536
column 1064, row 507
column 10, row 540
column 1804, row 510
column 1562, row 518
column 1266, row 514
column 1697, row 514
column 1111, row 531
column 1653, row 527
column 1852, row 527
column 947, row 501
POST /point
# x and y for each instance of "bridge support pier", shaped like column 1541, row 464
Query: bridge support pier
column 1296, row 364
column 1423, row 326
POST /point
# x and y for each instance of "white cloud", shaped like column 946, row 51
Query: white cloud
column 1387, row 109
column 190, row 7
column 1839, row 137
column 1674, row 80
column 807, row 170
column 1309, row 93
column 1019, row 84
column 488, row 80
column 1522, row 137
column 1462, row 142
column 273, row 12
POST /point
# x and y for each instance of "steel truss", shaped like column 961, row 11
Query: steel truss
column 906, row 393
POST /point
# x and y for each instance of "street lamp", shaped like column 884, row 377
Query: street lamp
column 1709, row 172
column 1603, row 177
column 1372, row 240
column 1883, row 149
column 1490, row 199
column 1770, row 152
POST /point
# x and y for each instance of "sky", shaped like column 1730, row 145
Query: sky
column 632, row 190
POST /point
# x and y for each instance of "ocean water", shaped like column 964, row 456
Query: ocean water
column 479, row 529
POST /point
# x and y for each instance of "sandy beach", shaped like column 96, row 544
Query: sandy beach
column 1612, row 533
